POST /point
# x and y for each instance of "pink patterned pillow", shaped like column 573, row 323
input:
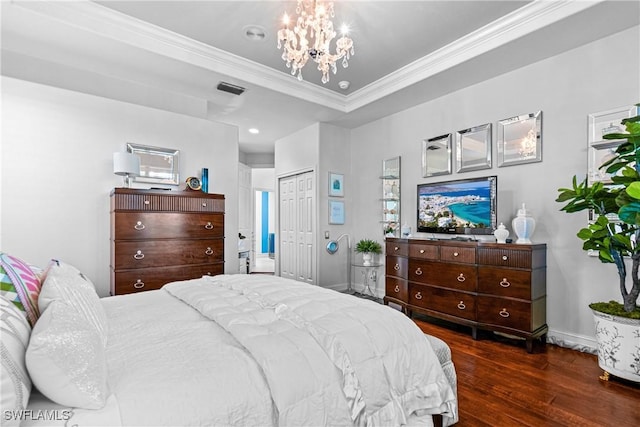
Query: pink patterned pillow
column 20, row 285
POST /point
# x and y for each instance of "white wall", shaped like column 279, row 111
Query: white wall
column 57, row 174
column 596, row 77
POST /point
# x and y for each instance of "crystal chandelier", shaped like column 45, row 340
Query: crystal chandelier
column 310, row 38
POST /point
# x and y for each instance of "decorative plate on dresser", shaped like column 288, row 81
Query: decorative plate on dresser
column 160, row 236
column 489, row 286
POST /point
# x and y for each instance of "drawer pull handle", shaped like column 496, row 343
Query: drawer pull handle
column 139, row 226
column 461, row 305
column 204, row 204
column 397, row 288
column 418, row 271
column 421, row 251
column 504, row 313
column 396, row 267
column 461, row 278
column 505, row 283
column 208, row 226
column 505, row 258
column 456, row 254
column 139, row 284
column 138, row 255
column 209, row 251
column 396, row 248
column 419, row 295
column 146, row 202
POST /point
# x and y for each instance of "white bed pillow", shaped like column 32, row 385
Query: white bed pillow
column 15, row 385
column 66, row 358
column 64, row 282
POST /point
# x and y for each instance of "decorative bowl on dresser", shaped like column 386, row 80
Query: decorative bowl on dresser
column 488, row 286
column 161, row 236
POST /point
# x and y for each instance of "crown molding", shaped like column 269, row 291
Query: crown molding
column 100, row 20
column 527, row 19
column 95, row 18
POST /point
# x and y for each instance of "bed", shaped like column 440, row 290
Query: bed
column 247, row 350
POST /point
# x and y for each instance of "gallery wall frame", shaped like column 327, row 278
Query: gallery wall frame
column 473, row 148
column 336, row 212
column 520, row 139
column 436, row 155
column 158, row 165
column 336, row 184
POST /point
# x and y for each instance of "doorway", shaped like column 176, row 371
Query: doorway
column 264, row 232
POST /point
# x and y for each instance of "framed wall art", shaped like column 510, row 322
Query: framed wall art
column 336, row 185
column 336, row 212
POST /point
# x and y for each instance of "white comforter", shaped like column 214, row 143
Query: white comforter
column 278, row 352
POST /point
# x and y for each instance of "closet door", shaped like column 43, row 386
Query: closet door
column 287, row 203
column 297, row 227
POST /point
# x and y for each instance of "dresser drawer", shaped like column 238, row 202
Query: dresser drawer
column 424, row 251
column 165, row 225
column 455, row 276
column 166, row 202
column 455, row 303
column 504, row 282
column 396, row 288
column 160, row 253
column 465, row 255
column 129, row 281
column 505, row 257
column 505, row 312
column 396, row 266
column 397, row 248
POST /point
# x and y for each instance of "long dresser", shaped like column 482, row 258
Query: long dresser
column 488, row 286
column 162, row 236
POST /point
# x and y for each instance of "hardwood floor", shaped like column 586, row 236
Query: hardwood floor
column 500, row 384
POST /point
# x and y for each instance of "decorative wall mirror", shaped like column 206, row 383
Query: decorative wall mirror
column 436, row 156
column 157, row 165
column 520, row 139
column 473, row 148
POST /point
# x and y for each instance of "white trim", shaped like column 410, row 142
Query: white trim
column 572, row 341
column 101, row 20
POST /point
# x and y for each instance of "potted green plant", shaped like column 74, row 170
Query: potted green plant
column 368, row 247
column 615, row 236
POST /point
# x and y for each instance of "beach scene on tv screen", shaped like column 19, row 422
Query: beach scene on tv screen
column 455, row 205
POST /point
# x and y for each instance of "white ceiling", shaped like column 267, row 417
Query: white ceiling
column 172, row 54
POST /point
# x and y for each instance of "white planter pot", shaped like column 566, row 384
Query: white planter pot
column 618, row 345
column 367, row 257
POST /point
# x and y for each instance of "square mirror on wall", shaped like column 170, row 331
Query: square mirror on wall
column 520, row 139
column 473, row 148
column 436, row 156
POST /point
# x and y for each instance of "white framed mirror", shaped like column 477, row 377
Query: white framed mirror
column 520, row 139
column 473, row 148
column 157, row 165
column 436, row 156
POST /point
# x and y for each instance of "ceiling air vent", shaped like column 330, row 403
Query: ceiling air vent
column 228, row 87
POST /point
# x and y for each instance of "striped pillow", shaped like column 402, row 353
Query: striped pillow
column 20, row 285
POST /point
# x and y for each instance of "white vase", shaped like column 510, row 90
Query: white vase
column 367, row 257
column 501, row 233
column 523, row 225
column 618, row 341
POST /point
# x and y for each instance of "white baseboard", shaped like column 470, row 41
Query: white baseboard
column 572, row 341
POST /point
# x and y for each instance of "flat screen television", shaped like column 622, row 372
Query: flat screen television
column 464, row 206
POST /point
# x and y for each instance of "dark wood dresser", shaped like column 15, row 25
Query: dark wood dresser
column 489, row 286
column 162, row 236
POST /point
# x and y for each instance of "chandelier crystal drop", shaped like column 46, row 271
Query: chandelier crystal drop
column 311, row 37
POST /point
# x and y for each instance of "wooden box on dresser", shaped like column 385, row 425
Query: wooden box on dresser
column 162, row 236
column 489, row 286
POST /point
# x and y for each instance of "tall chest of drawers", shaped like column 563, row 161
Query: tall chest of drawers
column 489, row 286
column 162, row 236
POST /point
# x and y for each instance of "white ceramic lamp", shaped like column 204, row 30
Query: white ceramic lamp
column 127, row 165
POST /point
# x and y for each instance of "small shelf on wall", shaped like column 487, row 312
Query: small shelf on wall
column 391, row 196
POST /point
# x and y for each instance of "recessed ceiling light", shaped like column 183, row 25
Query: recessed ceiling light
column 254, row 33
column 254, row 131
